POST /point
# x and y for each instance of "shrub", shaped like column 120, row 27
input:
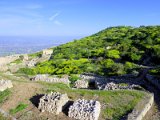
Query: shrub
column 27, row 71
column 113, row 54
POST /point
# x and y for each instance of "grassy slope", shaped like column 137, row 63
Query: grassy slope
column 127, row 46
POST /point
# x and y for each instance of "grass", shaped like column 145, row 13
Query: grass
column 4, row 95
column 115, row 104
column 20, row 107
column 18, row 61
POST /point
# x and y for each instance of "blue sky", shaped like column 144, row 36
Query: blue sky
column 73, row 17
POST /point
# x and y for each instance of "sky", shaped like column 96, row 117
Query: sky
column 73, row 17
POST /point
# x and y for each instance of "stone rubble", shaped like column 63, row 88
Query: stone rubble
column 53, row 102
column 47, row 52
column 4, row 84
column 32, row 62
column 51, row 79
column 85, row 110
column 81, row 84
column 114, row 86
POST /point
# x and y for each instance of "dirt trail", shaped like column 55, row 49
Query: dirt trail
column 154, row 113
column 20, row 92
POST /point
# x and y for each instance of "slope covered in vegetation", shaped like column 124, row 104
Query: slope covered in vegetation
column 113, row 51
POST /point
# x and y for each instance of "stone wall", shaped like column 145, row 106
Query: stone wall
column 142, row 108
column 4, row 84
column 81, row 84
column 47, row 52
column 85, row 110
column 114, row 86
column 153, row 80
column 53, row 102
column 51, row 79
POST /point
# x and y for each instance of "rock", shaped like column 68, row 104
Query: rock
column 53, row 102
column 32, row 63
column 47, row 52
column 4, row 84
column 113, row 86
column 25, row 57
column 52, row 79
column 106, row 86
column 85, row 110
column 81, row 84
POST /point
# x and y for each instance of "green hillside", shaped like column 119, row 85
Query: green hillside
column 113, row 51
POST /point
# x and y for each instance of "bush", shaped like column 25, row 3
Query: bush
column 27, row 71
column 115, row 54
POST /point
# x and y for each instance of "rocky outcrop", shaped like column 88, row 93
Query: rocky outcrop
column 32, row 62
column 81, row 84
column 85, row 110
column 51, row 79
column 4, row 84
column 114, row 86
column 53, row 102
column 47, row 52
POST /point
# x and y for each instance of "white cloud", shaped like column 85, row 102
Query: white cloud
column 56, row 22
column 54, row 16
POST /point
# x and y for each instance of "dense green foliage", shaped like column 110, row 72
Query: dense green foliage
column 27, row 71
column 113, row 51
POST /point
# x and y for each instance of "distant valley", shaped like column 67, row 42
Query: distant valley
column 23, row 45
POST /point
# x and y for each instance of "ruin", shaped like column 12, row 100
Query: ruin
column 81, row 84
column 51, row 79
column 47, row 52
column 85, row 110
column 54, row 102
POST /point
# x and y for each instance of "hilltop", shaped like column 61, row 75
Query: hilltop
column 113, row 51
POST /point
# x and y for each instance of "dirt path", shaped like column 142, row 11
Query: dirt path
column 20, row 92
column 154, row 113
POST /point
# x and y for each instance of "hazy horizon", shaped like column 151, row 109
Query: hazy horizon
column 29, row 44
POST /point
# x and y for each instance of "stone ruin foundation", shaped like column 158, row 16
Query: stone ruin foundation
column 85, row 110
column 51, row 79
column 53, row 102
column 4, row 84
column 81, row 84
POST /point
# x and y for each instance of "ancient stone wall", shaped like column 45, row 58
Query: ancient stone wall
column 142, row 108
column 52, row 79
column 85, row 110
column 47, row 52
column 81, row 84
column 53, row 102
column 114, row 86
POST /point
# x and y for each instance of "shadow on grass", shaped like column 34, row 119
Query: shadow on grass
column 36, row 99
